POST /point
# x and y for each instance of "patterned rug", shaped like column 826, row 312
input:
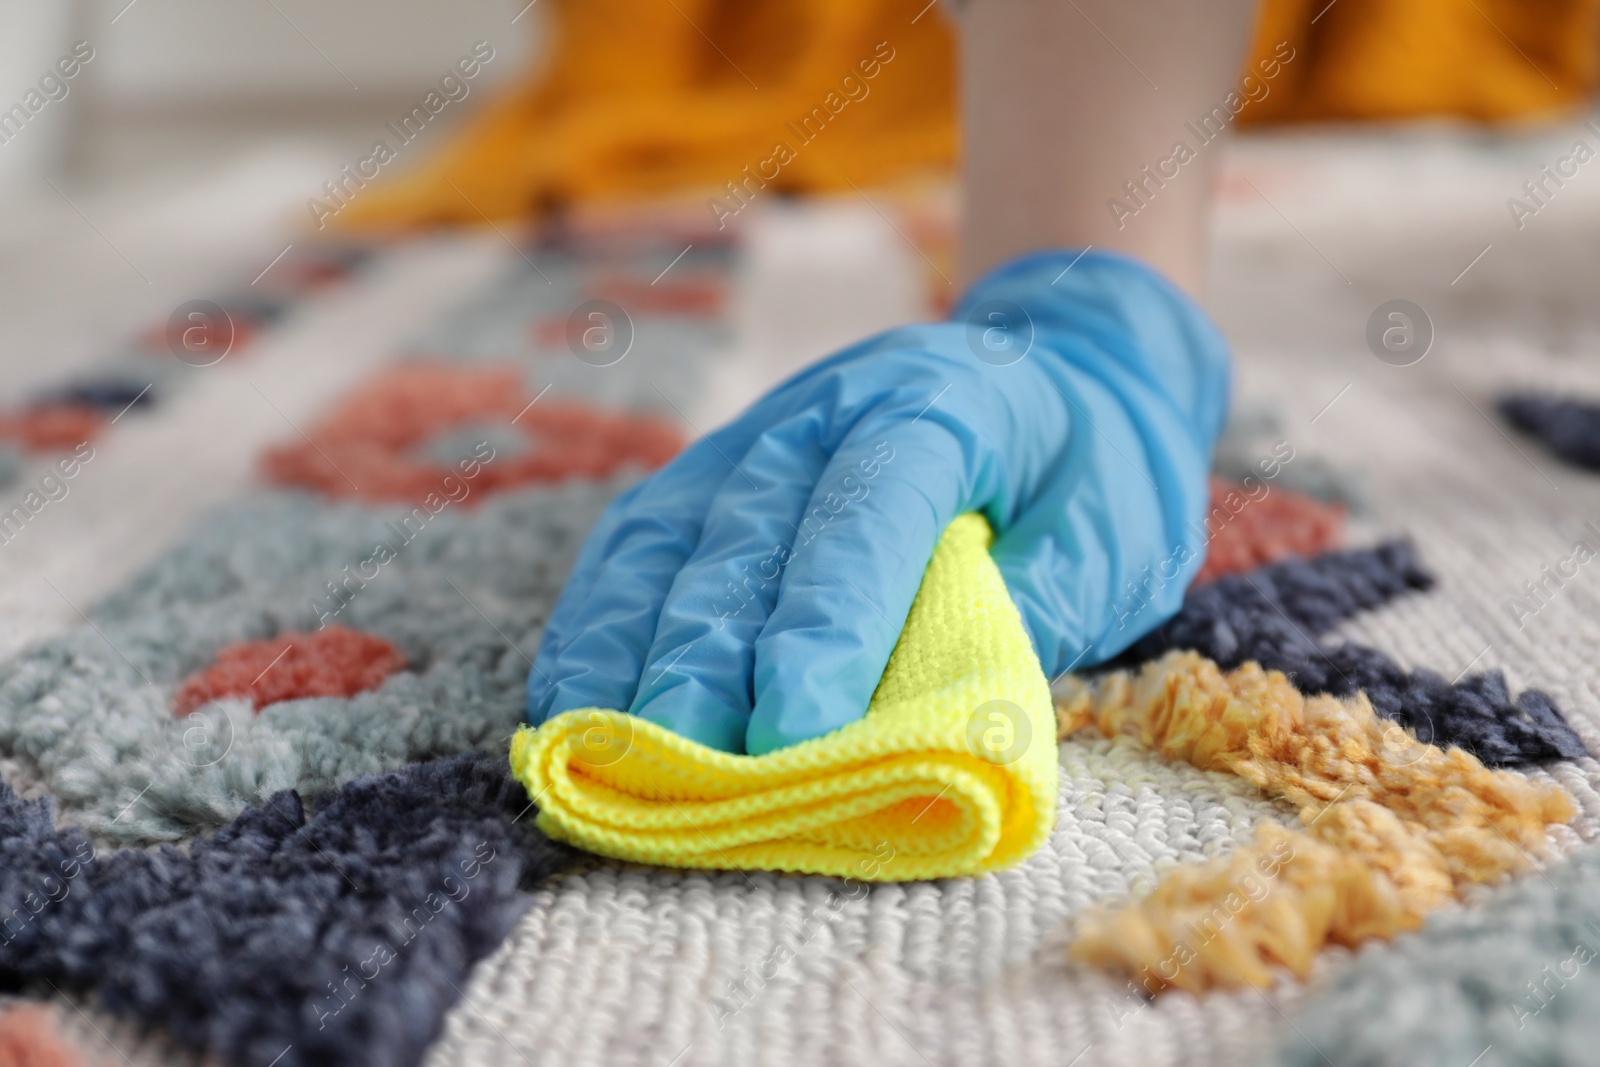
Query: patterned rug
column 256, row 806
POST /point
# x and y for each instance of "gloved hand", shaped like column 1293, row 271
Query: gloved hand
column 748, row 594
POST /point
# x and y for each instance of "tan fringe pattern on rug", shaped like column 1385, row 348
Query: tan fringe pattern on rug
column 1391, row 828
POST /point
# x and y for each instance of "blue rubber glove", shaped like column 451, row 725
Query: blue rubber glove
column 748, row 594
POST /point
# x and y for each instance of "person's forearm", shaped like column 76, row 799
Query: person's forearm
column 1064, row 102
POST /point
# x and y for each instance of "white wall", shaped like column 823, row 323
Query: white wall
column 248, row 68
column 177, row 53
column 33, row 34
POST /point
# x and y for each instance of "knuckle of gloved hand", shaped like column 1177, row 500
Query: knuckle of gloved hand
column 933, row 372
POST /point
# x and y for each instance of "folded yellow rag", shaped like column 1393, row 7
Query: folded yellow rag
column 952, row 771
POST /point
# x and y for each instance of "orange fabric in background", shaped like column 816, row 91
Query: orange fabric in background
column 643, row 99
column 1486, row 60
column 640, row 99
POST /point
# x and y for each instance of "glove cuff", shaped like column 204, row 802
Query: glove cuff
column 1127, row 308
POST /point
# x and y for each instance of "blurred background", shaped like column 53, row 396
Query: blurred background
column 158, row 152
column 198, row 136
column 191, row 140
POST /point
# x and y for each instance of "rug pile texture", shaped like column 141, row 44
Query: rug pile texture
column 268, row 802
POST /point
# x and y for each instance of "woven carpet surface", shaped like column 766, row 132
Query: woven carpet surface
column 332, row 864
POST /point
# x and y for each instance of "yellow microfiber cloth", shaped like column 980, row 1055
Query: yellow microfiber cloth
column 952, row 771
